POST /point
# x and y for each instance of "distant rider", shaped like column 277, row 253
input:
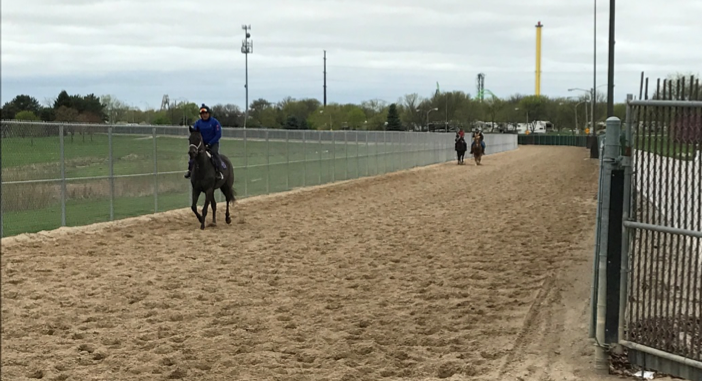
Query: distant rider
column 211, row 131
column 482, row 138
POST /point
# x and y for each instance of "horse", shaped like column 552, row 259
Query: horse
column 204, row 180
column 461, row 147
column 477, row 149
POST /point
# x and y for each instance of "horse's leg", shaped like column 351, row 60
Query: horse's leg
column 196, row 196
column 229, row 197
column 214, row 207
column 204, row 210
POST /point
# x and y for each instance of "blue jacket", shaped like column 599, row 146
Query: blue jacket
column 210, row 129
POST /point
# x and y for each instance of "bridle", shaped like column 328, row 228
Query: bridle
column 197, row 147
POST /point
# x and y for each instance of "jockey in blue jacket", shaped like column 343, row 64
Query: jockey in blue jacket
column 211, row 132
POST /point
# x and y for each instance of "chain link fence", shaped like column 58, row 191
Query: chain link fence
column 77, row 174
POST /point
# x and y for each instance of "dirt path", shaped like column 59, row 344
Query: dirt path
column 448, row 272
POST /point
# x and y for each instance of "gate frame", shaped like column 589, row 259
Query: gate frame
column 618, row 157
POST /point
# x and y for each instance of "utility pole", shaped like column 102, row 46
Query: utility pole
column 246, row 48
column 610, row 76
column 325, row 78
column 594, row 151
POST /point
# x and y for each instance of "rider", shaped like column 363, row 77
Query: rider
column 211, row 131
column 482, row 140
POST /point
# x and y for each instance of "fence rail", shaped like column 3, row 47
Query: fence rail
column 75, row 174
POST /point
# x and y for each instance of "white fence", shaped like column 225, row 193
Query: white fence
column 75, row 174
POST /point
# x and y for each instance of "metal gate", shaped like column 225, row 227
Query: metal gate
column 649, row 274
column 663, row 321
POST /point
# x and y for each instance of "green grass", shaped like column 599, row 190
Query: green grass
column 665, row 146
column 260, row 168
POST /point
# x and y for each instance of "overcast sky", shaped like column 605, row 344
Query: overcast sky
column 191, row 50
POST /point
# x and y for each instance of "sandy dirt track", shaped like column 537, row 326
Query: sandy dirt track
column 446, row 272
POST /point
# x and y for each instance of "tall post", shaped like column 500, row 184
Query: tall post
column 611, row 154
column 246, row 49
column 537, row 90
column 325, row 78
column 610, row 73
column 594, row 73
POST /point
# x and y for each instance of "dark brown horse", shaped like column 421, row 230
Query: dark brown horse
column 461, row 147
column 204, row 180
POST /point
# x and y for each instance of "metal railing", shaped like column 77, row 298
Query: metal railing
column 57, row 175
column 648, row 275
column 664, row 243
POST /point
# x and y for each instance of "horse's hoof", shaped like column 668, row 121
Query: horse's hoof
column 229, row 221
column 202, row 227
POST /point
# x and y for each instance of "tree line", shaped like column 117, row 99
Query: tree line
column 440, row 110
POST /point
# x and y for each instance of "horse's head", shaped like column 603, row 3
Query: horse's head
column 196, row 143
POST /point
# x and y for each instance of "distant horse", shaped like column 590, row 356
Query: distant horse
column 477, row 149
column 204, row 180
column 461, row 147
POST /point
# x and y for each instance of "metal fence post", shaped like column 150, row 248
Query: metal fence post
column 611, row 152
column 319, row 147
column 377, row 153
column 304, row 158
column 358, row 170
column 268, row 165
column 346, row 151
column 333, row 144
column 153, row 132
column 287, row 159
column 246, row 166
column 367, row 155
column 385, row 151
column 112, row 173
column 63, row 175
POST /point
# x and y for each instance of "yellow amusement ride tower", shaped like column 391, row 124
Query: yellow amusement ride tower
column 537, row 91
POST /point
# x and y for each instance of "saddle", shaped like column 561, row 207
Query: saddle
column 212, row 160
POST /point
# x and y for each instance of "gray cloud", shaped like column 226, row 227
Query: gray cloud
column 139, row 50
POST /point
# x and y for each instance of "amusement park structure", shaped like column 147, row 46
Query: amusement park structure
column 480, row 87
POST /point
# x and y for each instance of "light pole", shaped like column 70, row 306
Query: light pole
column 593, row 98
column 594, row 70
column 246, row 49
column 428, row 112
